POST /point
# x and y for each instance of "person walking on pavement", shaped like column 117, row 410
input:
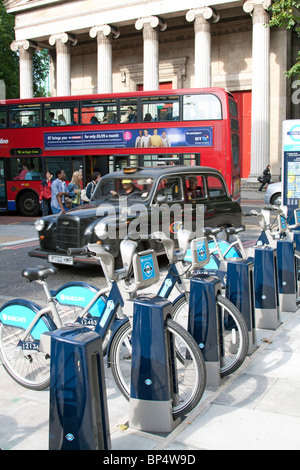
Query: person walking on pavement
column 266, row 178
column 74, row 189
column 58, row 193
column 45, row 193
column 92, row 185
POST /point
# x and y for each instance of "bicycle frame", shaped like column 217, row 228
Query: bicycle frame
column 85, row 296
column 108, row 313
column 37, row 321
column 31, row 317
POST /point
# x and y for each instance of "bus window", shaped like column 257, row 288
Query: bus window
column 201, row 107
column 232, row 107
column 128, row 110
column 215, row 187
column 28, row 168
column 3, row 122
column 2, row 186
column 61, row 114
column 98, row 112
column 235, row 148
column 162, row 108
column 23, row 115
column 59, row 163
column 190, row 159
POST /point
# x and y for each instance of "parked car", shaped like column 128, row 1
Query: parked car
column 141, row 201
column 273, row 194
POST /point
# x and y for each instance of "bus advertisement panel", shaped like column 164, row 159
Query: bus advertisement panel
column 167, row 137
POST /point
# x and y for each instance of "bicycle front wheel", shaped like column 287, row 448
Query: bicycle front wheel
column 187, row 364
column 29, row 367
column 233, row 332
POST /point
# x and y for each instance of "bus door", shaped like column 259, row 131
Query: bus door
column 3, row 198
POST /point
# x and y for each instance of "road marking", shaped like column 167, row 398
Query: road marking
column 19, row 244
column 251, row 227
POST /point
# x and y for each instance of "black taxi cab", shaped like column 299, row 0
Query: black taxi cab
column 138, row 202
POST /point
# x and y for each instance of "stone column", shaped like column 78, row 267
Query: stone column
column 63, row 42
column 26, row 49
column 260, row 120
column 203, row 18
column 104, row 34
column 150, row 27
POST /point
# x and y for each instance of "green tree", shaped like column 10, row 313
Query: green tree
column 41, row 65
column 9, row 60
column 285, row 14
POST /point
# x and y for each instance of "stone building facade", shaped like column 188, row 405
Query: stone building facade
column 100, row 46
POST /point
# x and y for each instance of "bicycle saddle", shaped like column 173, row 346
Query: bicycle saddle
column 37, row 273
column 233, row 230
column 207, row 231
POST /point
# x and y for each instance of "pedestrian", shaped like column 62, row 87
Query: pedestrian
column 266, row 177
column 23, row 172
column 58, row 193
column 91, row 186
column 74, row 188
column 45, row 193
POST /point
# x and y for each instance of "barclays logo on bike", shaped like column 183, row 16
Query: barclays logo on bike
column 14, row 318
column 73, row 298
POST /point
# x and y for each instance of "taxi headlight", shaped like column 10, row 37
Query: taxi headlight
column 39, row 224
column 100, row 230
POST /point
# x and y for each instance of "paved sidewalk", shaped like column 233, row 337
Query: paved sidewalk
column 257, row 408
column 19, row 233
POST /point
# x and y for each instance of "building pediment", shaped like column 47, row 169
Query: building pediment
column 13, row 6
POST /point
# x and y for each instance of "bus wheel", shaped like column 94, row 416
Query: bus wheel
column 28, row 204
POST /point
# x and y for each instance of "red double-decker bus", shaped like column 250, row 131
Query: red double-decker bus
column 111, row 131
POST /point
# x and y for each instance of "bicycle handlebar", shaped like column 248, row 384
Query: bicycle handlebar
column 78, row 251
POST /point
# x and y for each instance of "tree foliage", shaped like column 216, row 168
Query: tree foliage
column 41, row 65
column 9, row 60
column 286, row 14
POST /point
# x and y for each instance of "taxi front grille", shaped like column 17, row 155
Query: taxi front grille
column 67, row 233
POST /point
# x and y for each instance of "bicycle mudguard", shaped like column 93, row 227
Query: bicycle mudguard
column 177, row 298
column 116, row 324
column 79, row 294
column 19, row 313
